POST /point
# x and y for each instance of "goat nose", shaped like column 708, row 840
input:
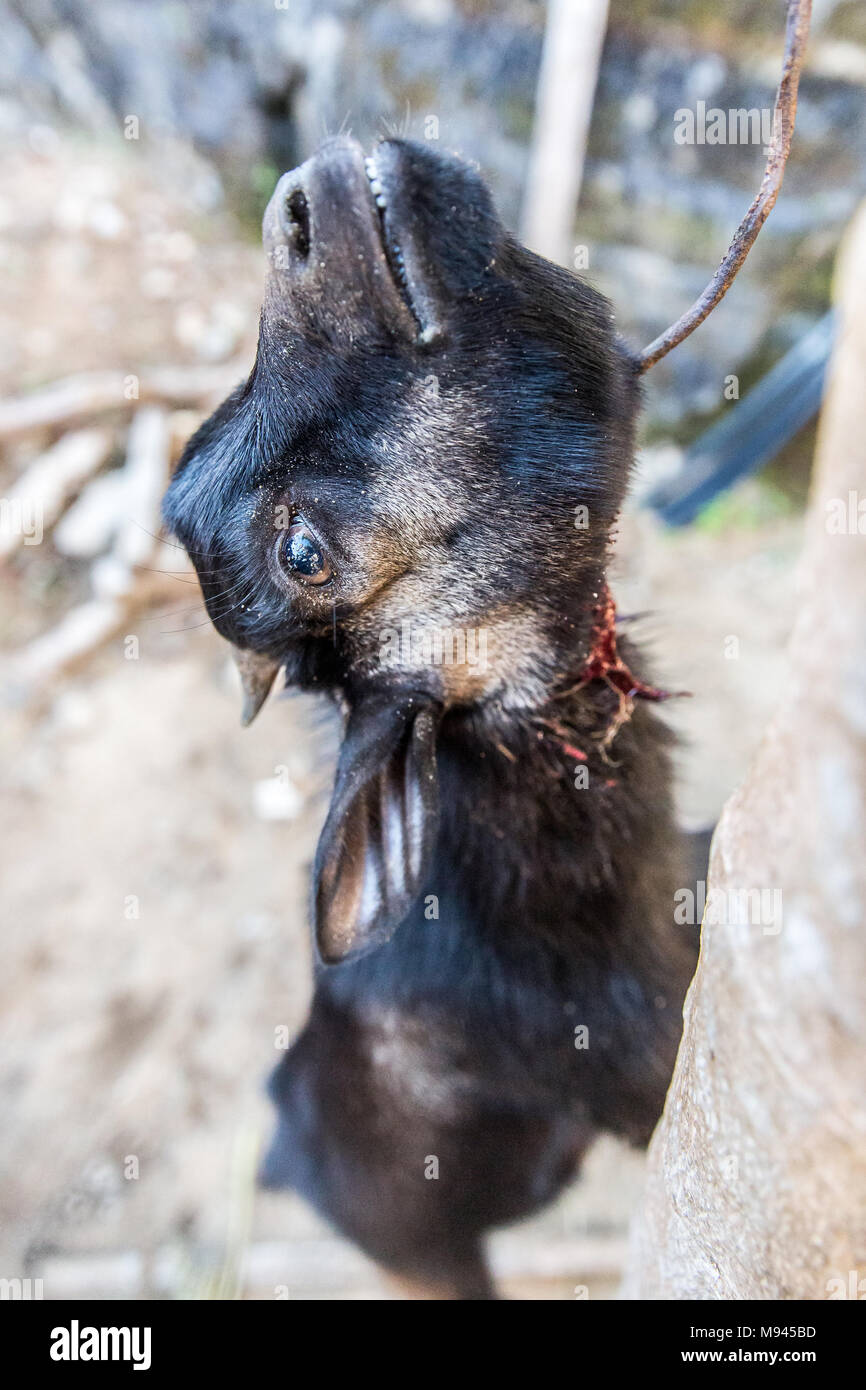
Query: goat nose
column 293, row 213
column 290, row 218
column 287, row 223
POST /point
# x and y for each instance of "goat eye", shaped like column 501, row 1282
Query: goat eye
column 302, row 552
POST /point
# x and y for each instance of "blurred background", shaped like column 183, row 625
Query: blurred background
column 154, row 856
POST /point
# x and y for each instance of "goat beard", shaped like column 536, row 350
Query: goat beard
column 258, row 673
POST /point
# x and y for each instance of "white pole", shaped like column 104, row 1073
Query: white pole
column 570, row 59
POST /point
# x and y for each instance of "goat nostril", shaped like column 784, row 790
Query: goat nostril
column 296, row 221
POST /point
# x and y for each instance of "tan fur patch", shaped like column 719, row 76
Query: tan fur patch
column 463, row 656
column 417, row 494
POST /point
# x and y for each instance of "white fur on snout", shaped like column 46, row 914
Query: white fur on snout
column 423, row 486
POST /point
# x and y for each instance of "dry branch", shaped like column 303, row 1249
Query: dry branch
column 784, row 113
column 79, row 633
column 145, row 475
column 121, row 580
column 37, row 498
column 79, row 397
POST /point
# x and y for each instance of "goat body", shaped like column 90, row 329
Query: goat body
column 436, row 437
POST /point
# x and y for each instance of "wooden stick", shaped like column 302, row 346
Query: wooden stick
column 145, row 478
column 92, row 393
column 119, row 585
column 81, row 631
column 573, row 40
column 37, row 498
column 784, row 112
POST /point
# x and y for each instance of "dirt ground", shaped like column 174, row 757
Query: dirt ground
column 155, row 856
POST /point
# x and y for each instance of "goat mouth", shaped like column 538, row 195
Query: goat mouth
column 393, row 252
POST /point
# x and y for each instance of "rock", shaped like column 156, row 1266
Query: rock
column 757, row 1171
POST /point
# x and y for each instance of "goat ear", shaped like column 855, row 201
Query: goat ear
column 376, row 842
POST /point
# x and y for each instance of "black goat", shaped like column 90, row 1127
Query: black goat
column 408, row 506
